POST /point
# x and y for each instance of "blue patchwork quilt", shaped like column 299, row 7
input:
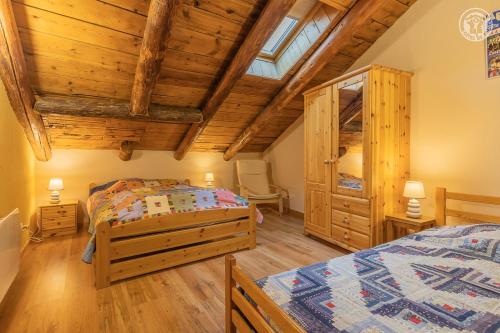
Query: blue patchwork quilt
column 439, row 280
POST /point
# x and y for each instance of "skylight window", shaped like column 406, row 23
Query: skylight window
column 281, row 34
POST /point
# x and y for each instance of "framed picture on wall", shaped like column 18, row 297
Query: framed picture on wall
column 493, row 46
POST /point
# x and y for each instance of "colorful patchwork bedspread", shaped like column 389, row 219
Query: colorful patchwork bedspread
column 439, row 280
column 135, row 199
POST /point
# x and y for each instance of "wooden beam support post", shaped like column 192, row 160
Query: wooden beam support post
column 111, row 108
column 355, row 19
column 14, row 75
column 266, row 24
column 154, row 45
column 126, row 150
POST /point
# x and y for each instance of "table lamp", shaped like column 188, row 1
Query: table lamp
column 209, row 179
column 55, row 185
column 414, row 190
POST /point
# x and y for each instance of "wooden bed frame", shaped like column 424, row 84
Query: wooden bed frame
column 149, row 245
column 243, row 316
column 442, row 211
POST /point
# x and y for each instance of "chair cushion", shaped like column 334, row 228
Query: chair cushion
column 253, row 175
column 263, row 196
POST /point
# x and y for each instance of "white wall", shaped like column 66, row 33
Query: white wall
column 79, row 168
column 455, row 126
column 17, row 170
column 286, row 156
column 455, row 109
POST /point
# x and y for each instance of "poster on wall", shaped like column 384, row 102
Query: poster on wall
column 493, row 46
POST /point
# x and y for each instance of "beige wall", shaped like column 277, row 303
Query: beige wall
column 16, row 166
column 455, row 110
column 286, row 156
column 79, row 168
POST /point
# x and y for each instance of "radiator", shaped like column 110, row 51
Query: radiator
column 10, row 250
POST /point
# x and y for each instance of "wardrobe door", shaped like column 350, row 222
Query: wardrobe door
column 318, row 161
column 350, row 137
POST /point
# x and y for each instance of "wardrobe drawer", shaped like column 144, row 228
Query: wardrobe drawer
column 350, row 221
column 350, row 238
column 351, row 205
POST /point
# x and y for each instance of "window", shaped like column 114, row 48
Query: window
column 279, row 36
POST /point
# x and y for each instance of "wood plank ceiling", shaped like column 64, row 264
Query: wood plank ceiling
column 90, row 48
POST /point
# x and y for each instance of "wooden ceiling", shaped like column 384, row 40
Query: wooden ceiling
column 89, row 48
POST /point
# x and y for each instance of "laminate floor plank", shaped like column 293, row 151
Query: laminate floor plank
column 54, row 290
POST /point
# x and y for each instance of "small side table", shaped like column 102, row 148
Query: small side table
column 399, row 225
column 59, row 219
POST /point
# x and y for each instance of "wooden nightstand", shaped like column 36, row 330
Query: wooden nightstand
column 59, row 219
column 399, row 225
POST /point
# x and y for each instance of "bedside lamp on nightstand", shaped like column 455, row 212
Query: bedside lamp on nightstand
column 414, row 190
column 55, row 185
column 209, row 179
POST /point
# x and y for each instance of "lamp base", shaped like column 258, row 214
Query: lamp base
column 210, row 184
column 413, row 210
column 55, row 197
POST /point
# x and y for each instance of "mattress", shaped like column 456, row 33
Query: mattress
column 439, row 280
column 135, row 199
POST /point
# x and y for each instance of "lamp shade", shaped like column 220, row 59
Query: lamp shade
column 56, row 184
column 414, row 190
column 209, row 177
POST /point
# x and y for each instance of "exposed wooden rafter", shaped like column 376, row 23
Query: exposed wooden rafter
column 14, row 75
column 351, row 111
column 339, row 4
column 267, row 22
column 114, row 109
column 153, row 49
column 355, row 19
column 126, row 150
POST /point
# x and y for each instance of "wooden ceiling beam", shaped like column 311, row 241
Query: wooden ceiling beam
column 351, row 111
column 113, row 109
column 126, row 150
column 341, row 36
column 14, row 75
column 271, row 16
column 154, row 45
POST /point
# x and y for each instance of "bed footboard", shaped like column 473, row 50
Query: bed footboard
column 246, row 316
column 141, row 247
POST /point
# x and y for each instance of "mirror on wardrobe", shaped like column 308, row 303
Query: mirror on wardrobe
column 350, row 143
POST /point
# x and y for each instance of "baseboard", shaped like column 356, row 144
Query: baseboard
column 295, row 213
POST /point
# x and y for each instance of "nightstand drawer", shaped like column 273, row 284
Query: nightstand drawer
column 57, row 223
column 350, row 238
column 351, row 205
column 59, row 211
column 351, row 221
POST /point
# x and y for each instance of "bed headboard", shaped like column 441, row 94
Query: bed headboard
column 442, row 211
column 92, row 185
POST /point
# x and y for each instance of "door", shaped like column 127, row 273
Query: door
column 318, row 161
column 350, row 137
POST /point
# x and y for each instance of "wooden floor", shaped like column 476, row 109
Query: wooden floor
column 54, row 292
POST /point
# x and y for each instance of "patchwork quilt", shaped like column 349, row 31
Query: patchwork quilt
column 439, row 280
column 135, row 199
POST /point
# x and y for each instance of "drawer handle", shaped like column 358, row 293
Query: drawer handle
column 347, row 205
column 346, row 220
column 346, row 237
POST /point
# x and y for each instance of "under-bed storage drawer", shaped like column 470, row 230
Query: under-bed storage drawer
column 351, row 221
column 353, row 205
column 350, row 238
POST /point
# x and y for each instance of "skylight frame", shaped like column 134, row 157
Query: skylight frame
column 282, row 39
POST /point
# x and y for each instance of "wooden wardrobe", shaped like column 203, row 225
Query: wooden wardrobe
column 357, row 155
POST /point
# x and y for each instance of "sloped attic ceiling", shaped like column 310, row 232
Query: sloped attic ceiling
column 88, row 48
